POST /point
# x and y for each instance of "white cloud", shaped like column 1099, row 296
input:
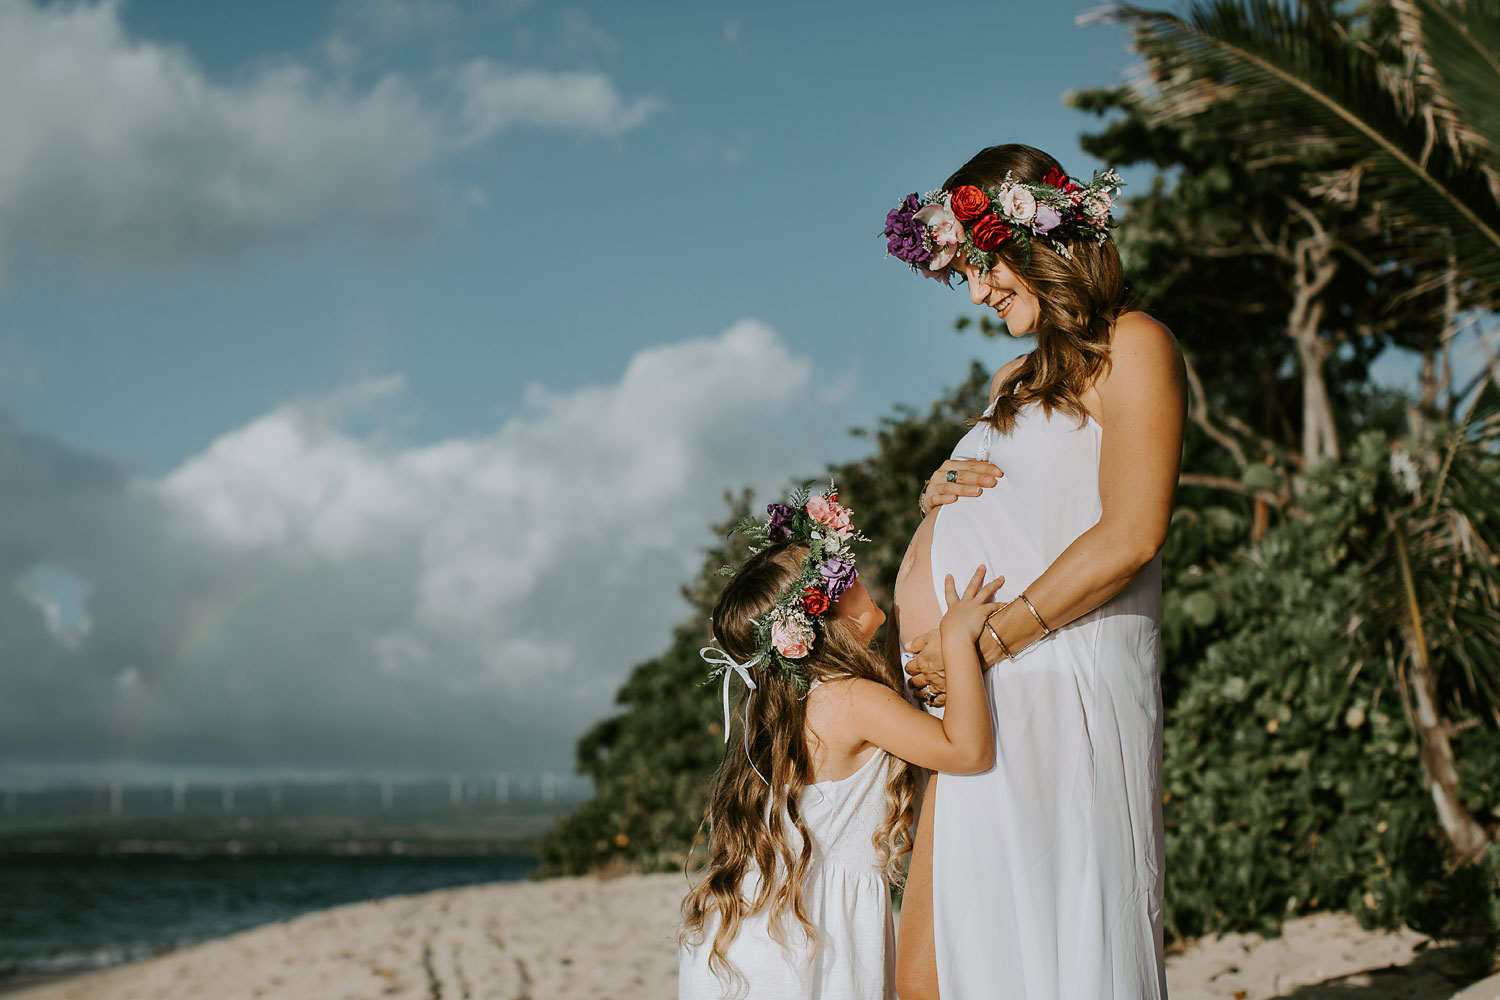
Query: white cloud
column 120, row 153
column 124, row 152
column 495, row 98
column 297, row 595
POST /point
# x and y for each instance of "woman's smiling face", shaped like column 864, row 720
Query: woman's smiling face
column 1002, row 290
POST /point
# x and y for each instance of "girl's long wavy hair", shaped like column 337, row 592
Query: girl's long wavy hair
column 1079, row 298
column 756, row 828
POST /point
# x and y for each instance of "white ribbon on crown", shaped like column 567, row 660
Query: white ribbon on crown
column 715, row 656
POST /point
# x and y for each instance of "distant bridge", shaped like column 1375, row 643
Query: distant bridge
column 371, row 793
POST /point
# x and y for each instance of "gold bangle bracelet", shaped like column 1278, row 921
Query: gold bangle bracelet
column 1029, row 607
column 1004, row 650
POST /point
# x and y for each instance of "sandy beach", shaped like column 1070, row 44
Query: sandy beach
column 613, row 939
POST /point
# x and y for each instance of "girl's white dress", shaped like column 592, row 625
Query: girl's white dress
column 1047, row 868
column 848, row 900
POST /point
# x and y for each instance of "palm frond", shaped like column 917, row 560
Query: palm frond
column 1285, row 82
column 1437, row 572
column 1457, row 56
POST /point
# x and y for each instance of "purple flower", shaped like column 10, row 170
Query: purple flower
column 904, row 234
column 838, row 576
column 779, row 527
column 1047, row 219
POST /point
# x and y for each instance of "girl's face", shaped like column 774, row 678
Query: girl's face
column 856, row 608
column 1002, row 290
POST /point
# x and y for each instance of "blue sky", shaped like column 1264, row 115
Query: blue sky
column 772, row 140
column 371, row 370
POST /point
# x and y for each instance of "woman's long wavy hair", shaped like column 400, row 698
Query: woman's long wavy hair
column 1079, row 297
column 757, row 828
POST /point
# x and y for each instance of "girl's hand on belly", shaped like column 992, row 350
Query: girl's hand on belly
column 926, row 668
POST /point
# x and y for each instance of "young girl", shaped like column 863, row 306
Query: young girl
column 811, row 808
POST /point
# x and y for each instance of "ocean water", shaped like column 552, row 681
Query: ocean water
column 71, row 913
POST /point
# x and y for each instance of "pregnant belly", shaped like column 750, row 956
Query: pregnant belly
column 916, row 608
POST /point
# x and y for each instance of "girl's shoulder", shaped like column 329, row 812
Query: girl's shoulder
column 835, row 692
column 837, row 710
column 840, row 701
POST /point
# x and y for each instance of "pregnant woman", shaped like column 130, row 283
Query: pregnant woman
column 1041, row 878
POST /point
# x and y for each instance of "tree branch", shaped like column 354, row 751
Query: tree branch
column 1230, row 485
column 1198, row 411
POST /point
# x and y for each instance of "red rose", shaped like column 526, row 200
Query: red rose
column 1055, row 178
column 968, row 202
column 988, row 233
column 814, row 601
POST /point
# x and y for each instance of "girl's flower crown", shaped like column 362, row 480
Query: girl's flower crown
column 821, row 523
column 787, row 633
column 929, row 231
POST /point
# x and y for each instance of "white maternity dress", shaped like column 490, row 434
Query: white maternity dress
column 1047, row 868
column 848, row 900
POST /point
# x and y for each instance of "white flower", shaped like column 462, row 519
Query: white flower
column 1404, row 472
column 1018, row 203
column 1096, row 206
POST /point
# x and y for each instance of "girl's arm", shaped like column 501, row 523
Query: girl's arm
column 962, row 741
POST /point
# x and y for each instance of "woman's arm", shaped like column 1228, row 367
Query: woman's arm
column 1142, row 404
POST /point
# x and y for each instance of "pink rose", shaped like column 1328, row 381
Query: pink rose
column 946, row 232
column 792, row 639
column 1018, row 203
column 829, row 514
column 1096, row 206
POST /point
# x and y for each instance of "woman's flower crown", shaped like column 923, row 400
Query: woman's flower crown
column 820, row 522
column 929, row 231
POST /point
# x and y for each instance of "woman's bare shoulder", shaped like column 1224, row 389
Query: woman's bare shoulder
column 1141, row 348
column 1137, row 329
column 1139, row 338
column 1004, row 373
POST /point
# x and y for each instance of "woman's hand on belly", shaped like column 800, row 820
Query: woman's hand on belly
column 926, row 668
column 957, row 477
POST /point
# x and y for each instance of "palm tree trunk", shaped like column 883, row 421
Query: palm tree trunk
column 1439, row 768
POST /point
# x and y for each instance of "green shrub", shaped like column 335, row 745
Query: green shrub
column 1291, row 775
